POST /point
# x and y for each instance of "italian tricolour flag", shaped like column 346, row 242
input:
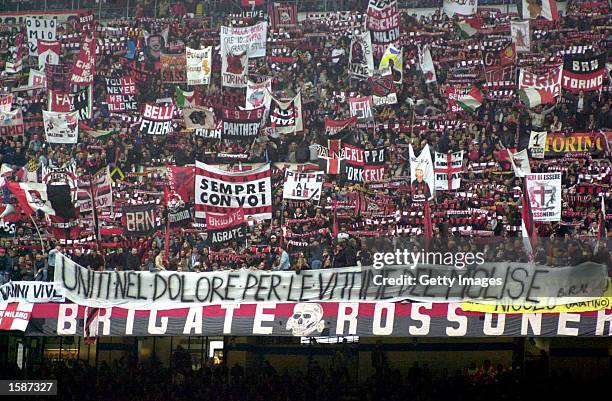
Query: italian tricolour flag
column 472, row 100
column 534, row 97
column 469, row 26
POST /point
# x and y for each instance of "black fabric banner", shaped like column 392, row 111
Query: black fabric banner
column 139, row 220
column 180, row 216
column 241, row 124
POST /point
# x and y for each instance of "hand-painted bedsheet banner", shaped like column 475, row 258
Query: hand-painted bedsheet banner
column 489, row 281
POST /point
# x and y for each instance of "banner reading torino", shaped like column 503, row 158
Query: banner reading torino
column 237, row 45
column 583, row 72
column 219, row 191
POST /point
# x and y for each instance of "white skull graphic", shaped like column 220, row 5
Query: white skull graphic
column 306, row 319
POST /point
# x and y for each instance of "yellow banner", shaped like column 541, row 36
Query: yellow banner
column 586, row 306
column 549, row 305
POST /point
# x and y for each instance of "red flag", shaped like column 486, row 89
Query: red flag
column 31, row 197
column 84, row 68
column 427, row 226
column 335, row 229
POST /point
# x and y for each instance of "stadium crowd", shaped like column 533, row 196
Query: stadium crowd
column 351, row 220
column 127, row 379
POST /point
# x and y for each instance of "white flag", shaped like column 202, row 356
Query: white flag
column 537, row 143
column 448, row 169
column 61, row 127
column 521, row 36
column 198, row 65
column 422, row 176
column 520, row 163
column 544, row 192
column 427, row 65
column 361, row 61
column 461, row 7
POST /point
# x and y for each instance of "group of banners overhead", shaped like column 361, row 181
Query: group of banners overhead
column 156, row 119
column 238, row 44
column 121, row 94
column 199, row 64
column 219, row 191
column 303, row 186
column 544, row 193
column 307, row 319
column 384, row 24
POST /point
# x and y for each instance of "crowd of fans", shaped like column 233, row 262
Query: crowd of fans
column 302, row 234
column 127, row 379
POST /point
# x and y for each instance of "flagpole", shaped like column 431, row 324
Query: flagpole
column 38, row 231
